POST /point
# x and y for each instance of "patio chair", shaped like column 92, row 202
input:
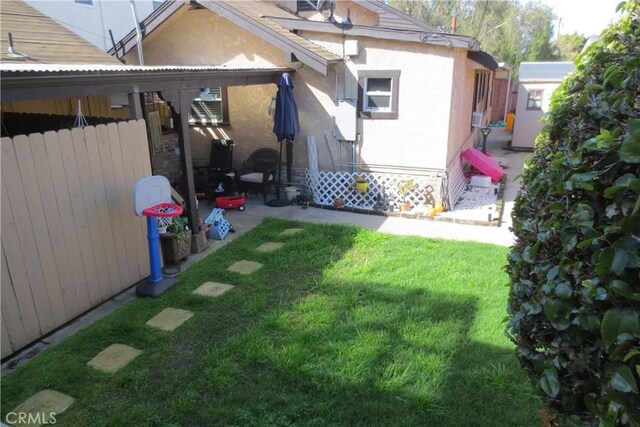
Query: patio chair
column 217, row 177
column 258, row 172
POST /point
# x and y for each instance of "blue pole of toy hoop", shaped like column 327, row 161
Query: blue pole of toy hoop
column 154, row 249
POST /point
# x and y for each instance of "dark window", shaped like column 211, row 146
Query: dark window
column 534, row 100
column 378, row 94
column 305, row 6
column 210, row 108
column 481, row 96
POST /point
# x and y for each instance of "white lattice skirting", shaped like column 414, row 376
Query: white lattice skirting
column 382, row 192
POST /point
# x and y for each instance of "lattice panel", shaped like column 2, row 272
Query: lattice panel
column 382, row 189
column 456, row 183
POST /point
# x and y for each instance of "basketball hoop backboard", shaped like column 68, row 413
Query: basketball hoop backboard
column 149, row 192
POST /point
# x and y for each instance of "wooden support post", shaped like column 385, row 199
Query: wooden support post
column 181, row 105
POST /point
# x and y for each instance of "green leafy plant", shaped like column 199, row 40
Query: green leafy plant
column 574, row 305
column 179, row 226
column 405, row 187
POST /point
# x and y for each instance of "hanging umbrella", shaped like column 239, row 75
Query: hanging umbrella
column 285, row 121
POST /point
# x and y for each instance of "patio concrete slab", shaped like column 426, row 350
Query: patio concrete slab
column 40, row 407
column 170, row 319
column 245, row 267
column 114, row 358
column 269, row 246
column 213, row 289
column 291, row 231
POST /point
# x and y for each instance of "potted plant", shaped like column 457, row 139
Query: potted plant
column 405, row 187
column 361, row 184
column 176, row 243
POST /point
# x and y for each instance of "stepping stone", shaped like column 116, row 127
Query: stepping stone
column 40, row 407
column 113, row 358
column 291, row 231
column 269, row 247
column 170, row 318
column 245, row 267
column 213, row 289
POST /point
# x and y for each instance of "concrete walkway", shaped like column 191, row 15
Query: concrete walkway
column 497, row 144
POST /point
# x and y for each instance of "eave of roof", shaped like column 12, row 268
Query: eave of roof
column 484, row 59
column 379, row 7
column 304, row 51
column 42, row 81
column 435, row 38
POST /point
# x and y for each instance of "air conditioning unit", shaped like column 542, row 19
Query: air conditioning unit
column 476, row 119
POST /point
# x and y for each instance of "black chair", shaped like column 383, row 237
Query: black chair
column 218, row 176
column 258, row 172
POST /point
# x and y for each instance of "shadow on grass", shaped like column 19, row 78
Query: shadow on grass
column 292, row 344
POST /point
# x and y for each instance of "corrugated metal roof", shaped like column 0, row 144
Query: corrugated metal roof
column 544, row 71
column 108, row 68
column 42, row 40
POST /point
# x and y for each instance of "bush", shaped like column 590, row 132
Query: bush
column 574, row 304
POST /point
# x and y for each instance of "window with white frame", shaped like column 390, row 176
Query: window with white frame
column 210, row 107
column 534, row 99
column 378, row 97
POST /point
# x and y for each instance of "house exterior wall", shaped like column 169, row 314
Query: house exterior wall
column 94, row 22
column 528, row 122
column 417, row 139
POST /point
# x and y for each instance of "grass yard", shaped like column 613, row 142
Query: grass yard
column 342, row 326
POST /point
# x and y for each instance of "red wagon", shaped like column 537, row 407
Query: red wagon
column 230, row 202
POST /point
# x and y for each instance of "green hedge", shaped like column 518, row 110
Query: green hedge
column 574, row 304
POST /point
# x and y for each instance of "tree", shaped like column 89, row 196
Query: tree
column 508, row 30
column 574, row 299
column 567, row 47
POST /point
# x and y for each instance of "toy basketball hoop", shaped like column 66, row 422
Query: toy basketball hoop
column 152, row 198
column 164, row 213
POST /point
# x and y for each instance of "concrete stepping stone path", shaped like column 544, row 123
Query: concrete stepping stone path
column 245, row 267
column 269, row 247
column 291, row 231
column 114, row 358
column 170, row 319
column 213, row 289
column 40, row 409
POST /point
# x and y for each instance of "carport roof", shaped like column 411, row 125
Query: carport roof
column 41, row 81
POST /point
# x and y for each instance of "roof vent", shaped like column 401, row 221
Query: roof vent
column 13, row 53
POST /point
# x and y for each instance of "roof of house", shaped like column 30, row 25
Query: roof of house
column 544, row 71
column 39, row 39
column 278, row 27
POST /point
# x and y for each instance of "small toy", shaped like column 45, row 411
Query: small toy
column 231, row 202
column 219, row 227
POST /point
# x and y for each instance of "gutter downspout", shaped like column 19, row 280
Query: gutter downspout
column 138, row 32
column 506, row 103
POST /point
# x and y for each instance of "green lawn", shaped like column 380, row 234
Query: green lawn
column 343, row 326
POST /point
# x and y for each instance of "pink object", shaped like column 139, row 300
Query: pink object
column 483, row 163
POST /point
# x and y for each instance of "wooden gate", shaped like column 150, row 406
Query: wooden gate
column 70, row 239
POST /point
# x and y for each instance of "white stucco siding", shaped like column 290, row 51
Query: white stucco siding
column 93, row 22
column 528, row 123
column 418, row 138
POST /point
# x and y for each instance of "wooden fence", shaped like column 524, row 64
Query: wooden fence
column 70, row 239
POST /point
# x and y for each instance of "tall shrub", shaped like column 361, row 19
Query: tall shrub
column 574, row 303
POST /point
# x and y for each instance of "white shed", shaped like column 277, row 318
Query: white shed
column 538, row 80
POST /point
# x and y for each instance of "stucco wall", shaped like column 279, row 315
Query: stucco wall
column 418, row 137
column 528, row 123
column 460, row 133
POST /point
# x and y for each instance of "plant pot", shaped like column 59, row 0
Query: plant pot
column 362, row 187
column 405, row 207
column 174, row 248
column 338, row 202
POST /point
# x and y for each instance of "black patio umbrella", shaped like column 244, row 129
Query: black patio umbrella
column 285, row 124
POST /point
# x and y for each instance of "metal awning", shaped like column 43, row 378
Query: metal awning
column 43, row 81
